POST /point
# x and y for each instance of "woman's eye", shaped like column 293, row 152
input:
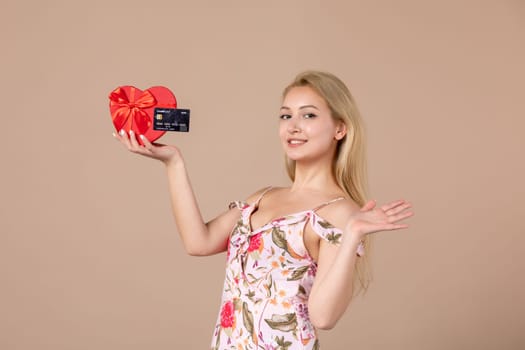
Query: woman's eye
column 310, row 115
column 285, row 116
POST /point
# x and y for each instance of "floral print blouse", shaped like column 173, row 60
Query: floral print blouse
column 269, row 275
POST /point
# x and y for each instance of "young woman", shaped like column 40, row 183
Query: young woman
column 295, row 255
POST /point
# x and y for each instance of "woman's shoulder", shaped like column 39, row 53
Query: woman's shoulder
column 337, row 211
column 257, row 194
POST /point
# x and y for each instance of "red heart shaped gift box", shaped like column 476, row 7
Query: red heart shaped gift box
column 132, row 109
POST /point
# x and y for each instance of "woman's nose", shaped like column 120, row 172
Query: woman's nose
column 294, row 126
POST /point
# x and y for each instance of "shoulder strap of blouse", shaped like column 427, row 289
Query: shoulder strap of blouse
column 243, row 205
column 327, row 203
column 256, row 203
column 330, row 233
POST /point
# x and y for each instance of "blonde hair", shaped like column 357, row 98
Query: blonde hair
column 349, row 165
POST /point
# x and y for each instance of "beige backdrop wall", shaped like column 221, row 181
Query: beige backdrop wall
column 89, row 256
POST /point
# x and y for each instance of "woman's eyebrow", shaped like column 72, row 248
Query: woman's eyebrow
column 302, row 107
column 308, row 106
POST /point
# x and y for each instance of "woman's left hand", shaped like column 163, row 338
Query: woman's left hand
column 371, row 219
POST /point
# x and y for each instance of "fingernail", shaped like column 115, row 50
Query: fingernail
column 122, row 132
column 131, row 132
column 142, row 137
column 114, row 135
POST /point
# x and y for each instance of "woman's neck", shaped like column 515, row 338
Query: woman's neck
column 316, row 177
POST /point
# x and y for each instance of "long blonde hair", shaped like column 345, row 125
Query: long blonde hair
column 349, row 165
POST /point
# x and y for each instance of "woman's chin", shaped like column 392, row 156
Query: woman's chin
column 294, row 156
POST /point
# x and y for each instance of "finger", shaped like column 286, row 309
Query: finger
column 396, row 227
column 117, row 137
column 133, row 140
column 388, row 206
column 147, row 145
column 399, row 217
column 398, row 209
column 391, row 227
column 124, row 139
column 136, row 147
column 384, row 227
column 369, row 205
column 148, row 148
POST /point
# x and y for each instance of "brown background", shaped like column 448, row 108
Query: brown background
column 89, row 257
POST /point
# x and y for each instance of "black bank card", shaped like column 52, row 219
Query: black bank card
column 171, row 119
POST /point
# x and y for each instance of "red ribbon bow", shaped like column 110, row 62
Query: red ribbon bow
column 131, row 110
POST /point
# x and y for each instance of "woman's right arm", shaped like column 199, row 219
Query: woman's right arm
column 199, row 238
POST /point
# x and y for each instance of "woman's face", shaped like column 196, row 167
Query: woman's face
column 306, row 128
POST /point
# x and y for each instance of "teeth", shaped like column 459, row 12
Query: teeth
column 295, row 142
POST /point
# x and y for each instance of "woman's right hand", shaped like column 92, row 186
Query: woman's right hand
column 167, row 154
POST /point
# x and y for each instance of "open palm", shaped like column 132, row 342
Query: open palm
column 371, row 219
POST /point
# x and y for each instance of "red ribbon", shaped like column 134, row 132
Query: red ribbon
column 131, row 110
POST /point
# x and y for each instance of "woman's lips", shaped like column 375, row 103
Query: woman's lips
column 296, row 142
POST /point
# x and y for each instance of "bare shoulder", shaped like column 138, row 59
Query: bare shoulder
column 254, row 196
column 337, row 213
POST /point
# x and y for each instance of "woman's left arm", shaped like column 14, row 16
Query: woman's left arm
column 333, row 287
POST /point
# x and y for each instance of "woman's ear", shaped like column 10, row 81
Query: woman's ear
column 340, row 131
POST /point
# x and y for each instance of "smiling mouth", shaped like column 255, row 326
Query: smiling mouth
column 296, row 142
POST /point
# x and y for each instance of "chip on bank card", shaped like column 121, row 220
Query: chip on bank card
column 171, row 119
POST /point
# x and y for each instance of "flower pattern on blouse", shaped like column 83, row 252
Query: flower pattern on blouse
column 269, row 275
